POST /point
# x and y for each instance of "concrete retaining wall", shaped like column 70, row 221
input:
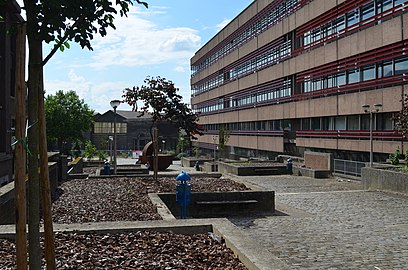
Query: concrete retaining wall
column 311, row 172
column 387, row 180
column 7, row 195
column 224, row 167
column 191, row 161
column 265, row 203
column 318, row 161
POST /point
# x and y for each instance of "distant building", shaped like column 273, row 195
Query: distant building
column 10, row 11
column 133, row 132
column 286, row 76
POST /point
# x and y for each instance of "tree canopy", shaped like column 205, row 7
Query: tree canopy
column 67, row 117
column 160, row 98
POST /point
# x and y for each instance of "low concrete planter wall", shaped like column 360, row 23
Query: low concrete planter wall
column 311, row 172
column 191, row 161
column 254, row 169
column 265, row 202
column 210, row 167
column 7, row 195
column 387, row 180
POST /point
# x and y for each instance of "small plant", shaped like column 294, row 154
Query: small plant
column 76, row 149
column 102, row 155
column 196, row 151
column 90, row 150
column 394, row 157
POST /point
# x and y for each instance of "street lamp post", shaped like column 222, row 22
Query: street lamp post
column 367, row 109
column 215, row 147
column 114, row 104
column 163, row 144
column 110, row 143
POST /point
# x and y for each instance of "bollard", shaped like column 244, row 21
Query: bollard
column 289, row 165
column 183, row 193
column 106, row 168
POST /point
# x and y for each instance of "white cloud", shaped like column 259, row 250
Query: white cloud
column 139, row 42
column 96, row 95
column 222, row 24
column 180, row 69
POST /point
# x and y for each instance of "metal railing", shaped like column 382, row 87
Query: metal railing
column 348, row 167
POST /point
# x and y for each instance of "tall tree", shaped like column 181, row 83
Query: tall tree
column 59, row 22
column 160, row 98
column 67, row 108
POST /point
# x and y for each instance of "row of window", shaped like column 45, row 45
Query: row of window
column 351, row 20
column 108, row 127
column 382, row 121
column 358, row 74
column 279, row 91
column 271, row 57
column 269, row 125
column 307, row 84
column 281, row 11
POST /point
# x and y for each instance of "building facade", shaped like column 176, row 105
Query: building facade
column 132, row 131
column 286, row 76
column 10, row 11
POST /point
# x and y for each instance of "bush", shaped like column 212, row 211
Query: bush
column 90, row 150
column 102, row 155
column 394, row 157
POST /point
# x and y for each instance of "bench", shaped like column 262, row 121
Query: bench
column 266, row 169
column 226, row 202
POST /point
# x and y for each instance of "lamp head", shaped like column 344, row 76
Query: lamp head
column 377, row 107
column 115, row 103
column 365, row 107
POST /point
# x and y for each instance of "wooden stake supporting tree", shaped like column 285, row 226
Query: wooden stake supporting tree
column 45, row 186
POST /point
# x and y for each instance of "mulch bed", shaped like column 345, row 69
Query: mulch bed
column 126, row 199
column 140, row 250
column 122, row 199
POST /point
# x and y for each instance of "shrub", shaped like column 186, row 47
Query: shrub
column 394, row 157
column 102, row 155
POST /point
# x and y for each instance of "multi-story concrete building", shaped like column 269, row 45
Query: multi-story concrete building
column 10, row 12
column 287, row 76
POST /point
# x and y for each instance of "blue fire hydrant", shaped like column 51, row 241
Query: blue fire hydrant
column 289, row 165
column 183, row 192
column 106, row 168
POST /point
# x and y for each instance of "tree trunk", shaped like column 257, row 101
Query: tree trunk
column 20, row 152
column 34, row 87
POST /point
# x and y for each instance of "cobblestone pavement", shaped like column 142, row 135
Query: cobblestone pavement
column 331, row 224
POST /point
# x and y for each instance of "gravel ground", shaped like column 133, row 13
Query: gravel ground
column 140, row 250
column 122, row 199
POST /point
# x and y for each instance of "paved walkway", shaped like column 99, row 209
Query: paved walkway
column 331, row 224
column 328, row 223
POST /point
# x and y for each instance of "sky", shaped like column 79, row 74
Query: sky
column 158, row 41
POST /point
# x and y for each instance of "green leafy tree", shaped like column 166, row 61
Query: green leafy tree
column 67, row 117
column 182, row 143
column 224, row 136
column 160, row 98
column 57, row 22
